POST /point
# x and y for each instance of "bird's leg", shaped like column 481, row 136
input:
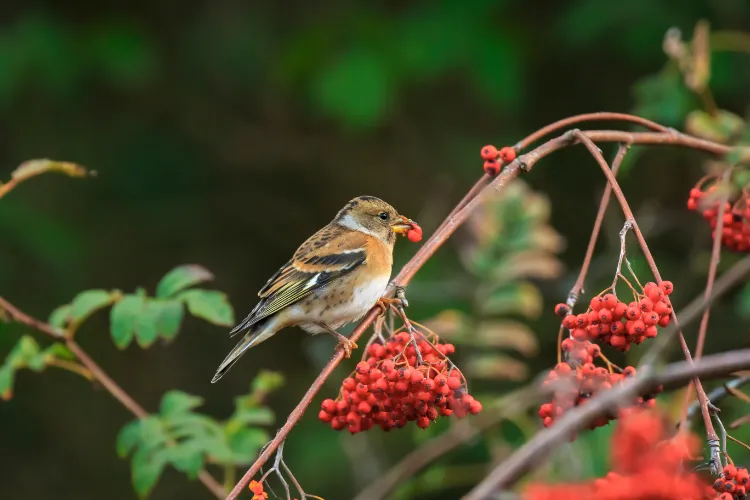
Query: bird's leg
column 399, row 301
column 346, row 344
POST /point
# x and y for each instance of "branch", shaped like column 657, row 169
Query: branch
column 577, row 289
column 535, row 450
column 100, row 375
column 458, row 216
column 712, row 268
column 711, row 437
column 519, row 401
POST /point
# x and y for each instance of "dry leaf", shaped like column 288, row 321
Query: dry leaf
column 508, row 334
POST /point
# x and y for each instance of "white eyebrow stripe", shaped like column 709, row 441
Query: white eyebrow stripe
column 348, row 222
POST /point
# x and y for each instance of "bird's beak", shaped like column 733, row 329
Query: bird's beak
column 402, row 225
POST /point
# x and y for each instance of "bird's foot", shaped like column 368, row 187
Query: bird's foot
column 347, row 345
column 399, row 301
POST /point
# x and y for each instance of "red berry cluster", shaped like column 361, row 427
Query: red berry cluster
column 733, row 484
column 390, row 388
column 494, row 159
column 735, row 234
column 574, row 387
column 648, row 464
column 613, row 322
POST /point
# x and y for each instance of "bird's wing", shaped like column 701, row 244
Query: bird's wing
column 322, row 259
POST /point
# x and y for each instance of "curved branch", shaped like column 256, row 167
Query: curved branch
column 573, row 420
column 458, row 216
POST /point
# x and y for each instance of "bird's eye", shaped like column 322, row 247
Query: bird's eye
column 383, row 216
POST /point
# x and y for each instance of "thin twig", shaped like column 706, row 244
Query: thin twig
column 716, row 395
column 711, row 436
column 100, row 376
column 578, row 287
column 712, row 268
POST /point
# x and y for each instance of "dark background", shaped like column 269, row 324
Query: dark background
column 226, row 132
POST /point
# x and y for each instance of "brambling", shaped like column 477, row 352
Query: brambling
column 333, row 278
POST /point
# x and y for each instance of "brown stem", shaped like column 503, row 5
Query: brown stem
column 711, row 437
column 7, row 187
column 589, row 117
column 71, row 367
column 577, row 289
column 521, row 400
column 101, row 376
column 449, row 226
column 537, row 448
column 711, row 278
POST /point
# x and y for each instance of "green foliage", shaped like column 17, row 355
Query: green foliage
column 146, row 319
column 210, row 305
column 181, row 437
column 28, row 354
column 508, row 241
column 181, row 277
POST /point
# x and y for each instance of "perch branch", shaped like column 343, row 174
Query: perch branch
column 522, row 163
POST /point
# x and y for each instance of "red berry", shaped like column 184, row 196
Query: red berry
column 454, row 383
column 415, row 233
column 328, row 406
column 667, row 287
column 363, row 367
column 325, row 416
column 489, row 152
column 492, row 167
column 562, row 310
column 507, row 154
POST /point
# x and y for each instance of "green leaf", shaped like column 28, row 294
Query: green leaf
column 25, row 349
column 58, row 350
column 176, row 402
column 147, row 468
column 128, row 437
column 210, row 305
column 85, row 303
column 517, row 298
column 180, row 278
column 253, row 416
column 124, row 318
column 723, row 127
column 246, row 442
column 6, row 380
column 187, row 457
column 267, row 381
column 170, row 318
column 153, row 434
column 147, row 325
column 60, row 317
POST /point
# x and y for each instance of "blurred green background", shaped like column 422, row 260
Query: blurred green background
column 226, row 132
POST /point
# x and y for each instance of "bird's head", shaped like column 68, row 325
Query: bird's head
column 375, row 217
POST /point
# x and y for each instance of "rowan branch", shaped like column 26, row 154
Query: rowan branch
column 458, row 216
column 577, row 418
column 519, row 401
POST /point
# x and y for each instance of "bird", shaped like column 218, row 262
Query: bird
column 333, row 278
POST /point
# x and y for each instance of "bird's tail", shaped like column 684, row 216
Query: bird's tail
column 257, row 334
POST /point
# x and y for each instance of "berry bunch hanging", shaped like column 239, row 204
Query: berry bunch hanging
column 611, row 321
column 494, row 159
column 574, row 386
column 733, row 484
column 398, row 382
column 735, row 233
